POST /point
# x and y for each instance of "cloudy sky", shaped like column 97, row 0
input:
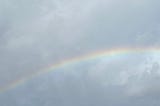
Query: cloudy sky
column 37, row 33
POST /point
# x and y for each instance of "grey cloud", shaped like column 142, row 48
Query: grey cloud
column 72, row 86
column 31, row 36
column 34, row 34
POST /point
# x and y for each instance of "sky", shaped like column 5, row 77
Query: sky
column 35, row 34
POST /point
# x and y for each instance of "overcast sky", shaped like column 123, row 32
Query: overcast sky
column 37, row 33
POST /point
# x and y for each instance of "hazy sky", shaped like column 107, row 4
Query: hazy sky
column 37, row 33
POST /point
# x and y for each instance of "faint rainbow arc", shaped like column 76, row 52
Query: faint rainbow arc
column 90, row 56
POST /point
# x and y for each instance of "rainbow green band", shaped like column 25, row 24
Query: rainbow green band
column 91, row 56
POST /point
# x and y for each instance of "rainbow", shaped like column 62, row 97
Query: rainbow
column 88, row 57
